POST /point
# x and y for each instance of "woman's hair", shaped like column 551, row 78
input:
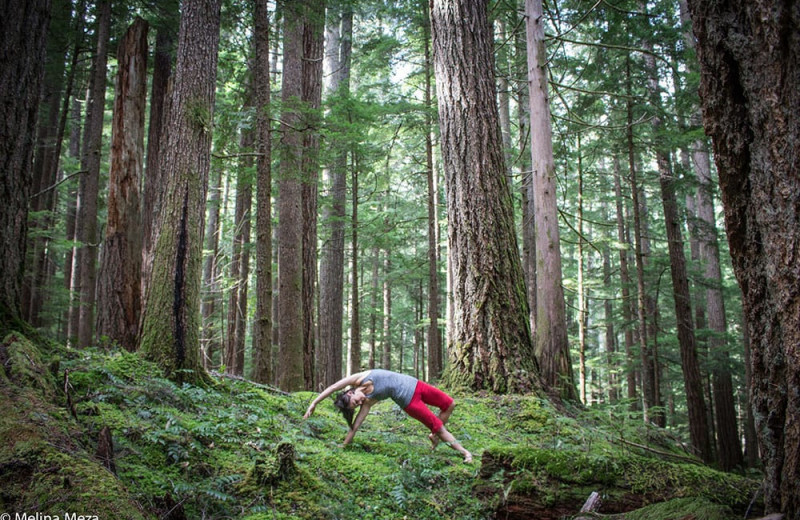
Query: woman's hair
column 342, row 402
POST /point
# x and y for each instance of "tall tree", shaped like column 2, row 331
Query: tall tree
column 119, row 281
column 435, row 361
column 262, row 326
column 24, row 29
column 313, row 45
column 749, row 55
column 693, row 385
column 85, row 270
column 240, row 259
column 159, row 94
column 290, row 200
column 491, row 343
column 170, row 331
column 552, row 347
column 339, row 39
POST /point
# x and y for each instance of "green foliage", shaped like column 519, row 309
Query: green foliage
column 237, row 449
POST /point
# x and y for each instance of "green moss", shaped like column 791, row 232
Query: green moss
column 683, row 508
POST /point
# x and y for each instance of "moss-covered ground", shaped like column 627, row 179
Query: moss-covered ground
column 234, row 449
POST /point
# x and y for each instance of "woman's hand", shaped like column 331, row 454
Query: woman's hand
column 309, row 411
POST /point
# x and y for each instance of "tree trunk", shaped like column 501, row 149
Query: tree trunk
column 693, row 383
column 210, row 341
column 262, row 327
column 625, row 279
column 491, row 346
column 170, row 332
column 750, row 89
column 650, row 394
column 373, row 316
column 154, row 179
column 24, row 30
column 552, row 347
column 313, row 46
column 74, row 148
column 119, row 283
column 435, row 358
column 355, row 364
column 290, row 206
column 240, row 261
column 86, row 230
column 386, row 343
column 331, row 289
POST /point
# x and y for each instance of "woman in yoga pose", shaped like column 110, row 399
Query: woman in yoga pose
column 411, row 394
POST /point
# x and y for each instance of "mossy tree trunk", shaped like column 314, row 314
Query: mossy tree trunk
column 170, row 332
column 119, row 282
column 491, row 343
column 749, row 55
column 262, row 328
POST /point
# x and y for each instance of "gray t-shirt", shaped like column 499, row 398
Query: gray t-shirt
column 399, row 387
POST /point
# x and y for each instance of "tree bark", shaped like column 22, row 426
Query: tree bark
column 491, row 345
column 749, row 55
column 240, row 261
column 552, row 346
column 262, row 327
column 435, row 358
column 86, row 230
column 313, row 47
column 170, row 332
column 119, row 282
column 24, row 29
column 331, row 286
column 209, row 339
column 290, row 211
column 154, row 179
column 625, row 279
column 386, row 342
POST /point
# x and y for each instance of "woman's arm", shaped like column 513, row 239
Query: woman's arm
column 351, row 380
column 362, row 414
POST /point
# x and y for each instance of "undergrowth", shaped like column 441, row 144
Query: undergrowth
column 234, row 449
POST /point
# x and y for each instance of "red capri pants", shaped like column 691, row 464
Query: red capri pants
column 427, row 394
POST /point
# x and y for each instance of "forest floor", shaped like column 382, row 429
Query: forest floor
column 100, row 434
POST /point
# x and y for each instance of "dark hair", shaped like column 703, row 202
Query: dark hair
column 342, row 402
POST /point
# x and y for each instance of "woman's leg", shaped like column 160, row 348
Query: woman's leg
column 451, row 441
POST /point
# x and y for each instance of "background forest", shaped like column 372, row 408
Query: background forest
column 278, row 191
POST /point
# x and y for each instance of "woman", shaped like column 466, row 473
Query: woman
column 408, row 392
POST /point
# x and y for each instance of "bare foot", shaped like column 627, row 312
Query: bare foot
column 434, row 440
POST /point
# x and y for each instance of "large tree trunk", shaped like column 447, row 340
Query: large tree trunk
column 262, row 326
column 24, row 30
column 86, row 230
column 552, row 347
column 119, row 283
column 313, row 47
column 749, row 55
column 491, row 344
column 154, row 178
column 170, row 332
column 290, row 211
